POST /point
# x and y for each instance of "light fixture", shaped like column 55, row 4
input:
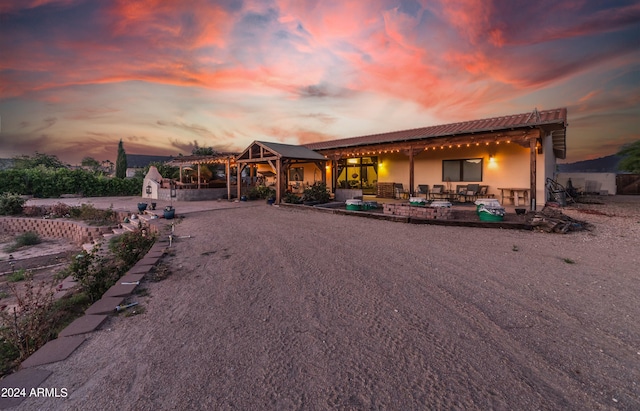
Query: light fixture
column 149, row 189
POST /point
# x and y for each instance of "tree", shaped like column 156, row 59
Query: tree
column 92, row 163
column 631, row 160
column 202, row 151
column 121, row 162
column 38, row 159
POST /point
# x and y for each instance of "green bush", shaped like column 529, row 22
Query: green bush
column 317, row 192
column 131, row 246
column 24, row 240
column 51, row 183
column 291, row 198
column 11, row 204
column 263, row 192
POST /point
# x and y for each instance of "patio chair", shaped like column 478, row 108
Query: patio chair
column 437, row 192
column 422, row 189
column 460, row 192
column 471, row 193
column 399, row 191
column 484, row 192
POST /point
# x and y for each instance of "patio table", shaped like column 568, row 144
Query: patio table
column 514, row 194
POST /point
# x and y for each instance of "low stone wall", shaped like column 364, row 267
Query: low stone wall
column 427, row 213
column 78, row 232
column 202, row 194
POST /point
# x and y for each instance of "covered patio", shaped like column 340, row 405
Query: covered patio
column 286, row 163
column 196, row 181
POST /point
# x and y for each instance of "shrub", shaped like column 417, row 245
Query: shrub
column 291, row 198
column 24, row 240
column 29, row 326
column 60, row 210
column 130, row 247
column 263, row 192
column 94, row 273
column 317, row 192
column 11, row 204
column 32, row 211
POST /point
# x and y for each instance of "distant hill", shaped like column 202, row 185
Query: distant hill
column 607, row 164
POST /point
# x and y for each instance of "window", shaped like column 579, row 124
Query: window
column 296, row 174
column 358, row 173
column 469, row 169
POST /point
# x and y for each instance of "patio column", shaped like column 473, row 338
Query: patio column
column 239, row 180
column 227, row 172
column 532, row 173
column 279, row 181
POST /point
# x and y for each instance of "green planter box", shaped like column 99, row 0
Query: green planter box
column 484, row 216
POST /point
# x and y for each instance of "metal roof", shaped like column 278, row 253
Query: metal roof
column 544, row 119
column 291, row 151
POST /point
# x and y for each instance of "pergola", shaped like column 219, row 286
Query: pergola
column 280, row 157
column 228, row 159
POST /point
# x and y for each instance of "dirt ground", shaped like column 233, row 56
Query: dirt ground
column 271, row 308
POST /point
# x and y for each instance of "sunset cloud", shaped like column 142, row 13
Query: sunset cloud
column 229, row 72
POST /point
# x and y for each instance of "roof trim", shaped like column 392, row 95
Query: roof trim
column 534, row 119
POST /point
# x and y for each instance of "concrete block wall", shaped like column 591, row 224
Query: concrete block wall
column 78, row 232
column 428, row 213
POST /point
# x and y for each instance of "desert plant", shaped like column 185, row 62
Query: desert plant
column 19, row 275
column 24, row 240
column 130, row 247
column 11, row 204
column 28, row 326
column 95, row 273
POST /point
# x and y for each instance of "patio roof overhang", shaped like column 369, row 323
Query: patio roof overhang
column 220, row 158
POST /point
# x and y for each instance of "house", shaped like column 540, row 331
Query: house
column 513, row 155
column 137, row 162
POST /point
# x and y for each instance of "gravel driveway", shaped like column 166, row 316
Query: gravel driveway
column 269, row 308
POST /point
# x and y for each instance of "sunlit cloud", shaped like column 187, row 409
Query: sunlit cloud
column 159, row 73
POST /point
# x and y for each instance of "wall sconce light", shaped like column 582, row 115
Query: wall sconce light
column 149, row 189
column 538, row 146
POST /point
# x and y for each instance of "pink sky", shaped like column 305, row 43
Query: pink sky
column 78, row 76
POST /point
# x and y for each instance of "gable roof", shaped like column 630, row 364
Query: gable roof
column 288, row 151
column 546, row 119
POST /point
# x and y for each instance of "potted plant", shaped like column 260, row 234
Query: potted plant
column 169, row 212
column 142, row 207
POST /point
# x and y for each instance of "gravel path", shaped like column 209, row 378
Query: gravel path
column 270, row 308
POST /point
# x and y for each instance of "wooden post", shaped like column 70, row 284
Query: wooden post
column 278, row 180
column 239, row 180
column 227, row 172
column 532, row 161
column 411, row 178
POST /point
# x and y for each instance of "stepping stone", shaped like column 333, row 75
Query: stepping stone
column 148, row 261
column 118, row 290
column 82, row 325
column 27, row 378
column 155, row 254
column 142, row 269
column 131, row 278
column 54, row 351
column 105, row 305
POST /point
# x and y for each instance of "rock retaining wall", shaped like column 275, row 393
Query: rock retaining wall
column 427, row 213
column 78, row 232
